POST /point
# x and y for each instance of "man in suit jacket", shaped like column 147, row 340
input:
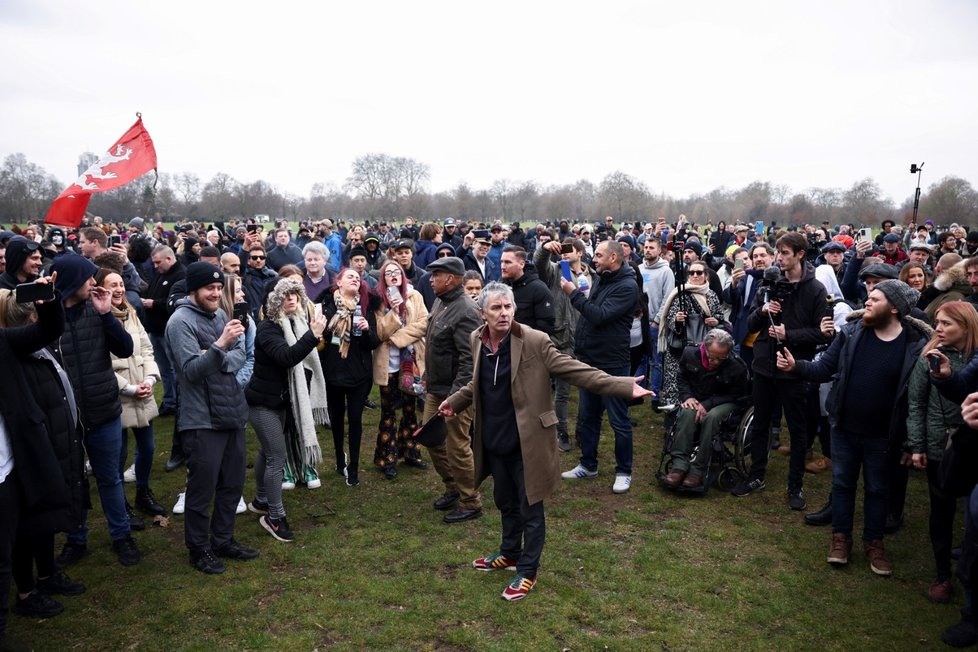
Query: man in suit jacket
column 513, row 365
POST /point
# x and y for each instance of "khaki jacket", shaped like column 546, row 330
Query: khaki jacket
column 534, row 360
column 136, row 413
column 391, row 333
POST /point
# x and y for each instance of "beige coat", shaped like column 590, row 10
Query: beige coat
column 136, row 413
column 391, row 333
column 534, row 360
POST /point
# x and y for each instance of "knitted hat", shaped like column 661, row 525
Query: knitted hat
column 202, row 274
column 900, row 295
column 73, row 272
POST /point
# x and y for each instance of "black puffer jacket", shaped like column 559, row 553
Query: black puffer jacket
column 534, row 302
column 728, row 383
column 269, row 384
column 603, row 335
column 84, row 353
column 159, row 290
column 46, row 446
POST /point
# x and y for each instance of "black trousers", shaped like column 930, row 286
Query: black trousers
column 215, row 472
column 793, row 397
column 524, row 526
column 9, row 516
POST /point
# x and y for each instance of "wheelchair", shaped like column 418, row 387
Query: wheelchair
column 730, row 461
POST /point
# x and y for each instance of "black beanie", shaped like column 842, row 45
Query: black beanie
column 201, row 274
column 73, row 272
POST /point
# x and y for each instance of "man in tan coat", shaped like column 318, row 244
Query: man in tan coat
column 516, row 431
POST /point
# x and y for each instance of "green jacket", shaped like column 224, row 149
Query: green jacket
column 931, row 416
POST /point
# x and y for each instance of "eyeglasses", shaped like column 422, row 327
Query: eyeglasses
column 696, row 272
column 392, row 273
column 257, row 257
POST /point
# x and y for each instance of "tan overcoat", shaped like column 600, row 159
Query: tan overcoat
column 534, row 361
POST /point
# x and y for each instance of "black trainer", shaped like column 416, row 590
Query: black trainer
column 746, row 487
column 71, row 553
column 277, row 527
column 135, row 523
column 207, row 563
column 563, row 442
column 234, row 550
column 822, row 516
column 147, row 503
column 127, row 551
column 60, row 584
column 38, row 605
column 796, row 500
column 258, row 506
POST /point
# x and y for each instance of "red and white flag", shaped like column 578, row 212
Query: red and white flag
column 129, row 158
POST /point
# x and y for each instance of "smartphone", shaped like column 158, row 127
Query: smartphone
column 567, row 248
column 738, row 263
column 31, row 292
column 392, row 293
column 935, row 364
column 565, row 270
column 252, row 228
column 114, row 240
column 241, row 313
column 866, row 234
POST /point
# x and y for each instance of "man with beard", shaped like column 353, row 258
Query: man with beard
column 871, row 360
column 658, row 281
column 534, row 302
column 24, row 262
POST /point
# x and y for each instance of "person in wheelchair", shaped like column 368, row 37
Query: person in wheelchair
column 711, row 380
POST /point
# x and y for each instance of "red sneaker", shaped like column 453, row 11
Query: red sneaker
column 518, row 588
column 494, row 562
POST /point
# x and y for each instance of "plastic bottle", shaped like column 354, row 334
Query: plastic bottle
column 357, row 314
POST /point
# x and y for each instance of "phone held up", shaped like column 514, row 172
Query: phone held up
column 31, row 292
column 241, row 313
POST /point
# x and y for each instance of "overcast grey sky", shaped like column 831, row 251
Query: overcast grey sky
column 685, row 96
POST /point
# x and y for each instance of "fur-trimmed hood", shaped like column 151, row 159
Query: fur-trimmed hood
column 954, row 278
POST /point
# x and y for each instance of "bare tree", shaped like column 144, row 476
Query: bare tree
column 952, row 199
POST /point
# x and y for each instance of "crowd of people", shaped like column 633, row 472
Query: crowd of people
column 289, row 330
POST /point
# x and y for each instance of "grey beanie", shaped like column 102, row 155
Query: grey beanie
column 900, row 295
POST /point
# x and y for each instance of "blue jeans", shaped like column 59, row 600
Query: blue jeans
column 143, row 459
column 104, row 444
column 166, row 371
column 655, row 360
column 849, row 452
column 590, row 407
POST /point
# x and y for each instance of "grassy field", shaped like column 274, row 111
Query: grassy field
column 374, row 567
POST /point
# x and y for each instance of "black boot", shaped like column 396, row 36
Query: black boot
column 135, row 523
column 147, row 503
column 177, row 458
column 822, row 516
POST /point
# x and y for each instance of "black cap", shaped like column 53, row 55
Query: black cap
column 450, row 264
column 403, row 243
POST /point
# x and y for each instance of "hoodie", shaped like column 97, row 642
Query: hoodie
column 657, row 282
column 17, row 252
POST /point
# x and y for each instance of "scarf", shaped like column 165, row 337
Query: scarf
column 308, row 399
column 342, row 321
column 698, row 292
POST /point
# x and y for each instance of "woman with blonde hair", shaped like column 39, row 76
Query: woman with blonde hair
column 402, row 319
column 915, row 275
column 930, row 421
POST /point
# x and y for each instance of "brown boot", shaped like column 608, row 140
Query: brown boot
column 818, row 465
column 839, row 550
column 878, row 561
column 674, row 478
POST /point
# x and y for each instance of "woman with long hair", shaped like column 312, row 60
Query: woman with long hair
column 286, row 394
column 44, row 489
column 137, row 376
column 915, row 275
column 680, row 309
column 402, row 319
column 351, row 337
column 930, row 421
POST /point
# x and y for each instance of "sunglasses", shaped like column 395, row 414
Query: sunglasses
column 257, row 257
column 694, row 272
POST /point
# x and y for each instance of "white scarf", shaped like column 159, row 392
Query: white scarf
column 698, row 292
column 308, row 399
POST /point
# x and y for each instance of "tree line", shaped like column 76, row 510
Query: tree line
column 384, row 187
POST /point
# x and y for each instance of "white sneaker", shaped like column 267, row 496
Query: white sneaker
column 179, row 507
column 578, row 472
column 623, row 483
column 130, row 474
column 287, row 486
column 242, row 507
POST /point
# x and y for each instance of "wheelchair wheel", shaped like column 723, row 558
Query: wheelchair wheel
column 728, row 478
column 742, row 442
